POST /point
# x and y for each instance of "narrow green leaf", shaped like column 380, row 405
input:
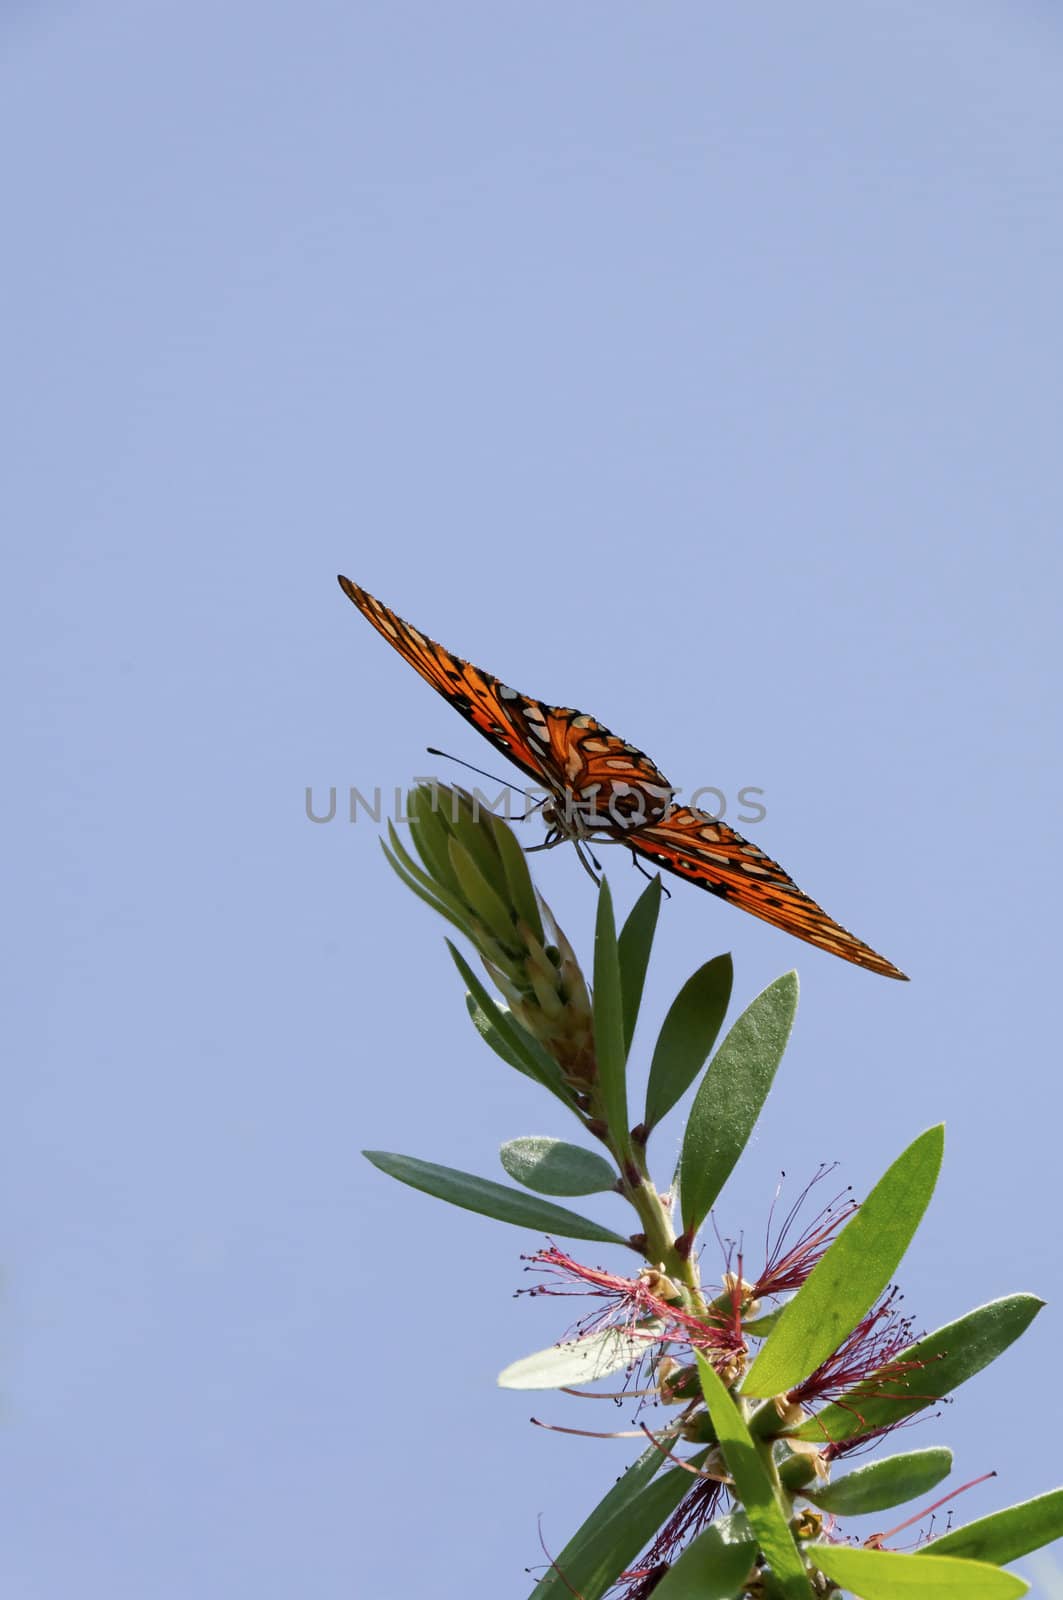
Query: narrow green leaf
column 490, row 1035
column 607, row 1002
column 613, row 1505
column 480, row 894
column 407, row 860
column 687, row 1035
column 610, row 1540
column 430, row 899
column 852, row 1274
column 490, row 1199
column 888, row 1482
column 521, row 889
column 550, row 1166
column 890, row 1575
column 1005, row 1535
column 473, row 830
column 634, row 946
column 754, row 1486
column 517, row 1040
column 730, row 1097
column 714, row 1566
column 432, row 886
column 431, row 835
column 945, row 1359
column 566, row 1366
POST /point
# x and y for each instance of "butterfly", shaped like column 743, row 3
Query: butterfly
column 600, row 788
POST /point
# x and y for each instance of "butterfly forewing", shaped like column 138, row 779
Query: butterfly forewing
column 493, row 710
column 580, row 762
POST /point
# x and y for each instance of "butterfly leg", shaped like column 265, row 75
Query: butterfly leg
column 594, row 871
column 553, row 839
column 646, row 873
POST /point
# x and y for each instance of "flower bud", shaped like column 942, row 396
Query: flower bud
column 473, row 872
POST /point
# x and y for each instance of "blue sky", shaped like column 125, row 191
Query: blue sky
column 696, row 366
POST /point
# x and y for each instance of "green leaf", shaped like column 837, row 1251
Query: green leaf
column 714, row 1566
column 431, row 835
column 754, row 1486
column 634, row 946
column 550, row 1166
column 412, row 884
column 517, row 1040
column 480, row 894
column 578, row 1554
column 609, row 1046
column 852, row 1274
column 615, row 1532
column 566, row 1366
column 948, row 1358
column 888, row 1482
column 889, row 1575
column 490, row 1199
column 518, row 879
column 472, row 829
column 687, row 1035
column 730, row 1097
column 426, row 888
column 1005, row 1535
column 491, row 1036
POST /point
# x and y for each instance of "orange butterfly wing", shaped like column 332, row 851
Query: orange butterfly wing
column 694, row 846
column 566, row 751
column 481, row 699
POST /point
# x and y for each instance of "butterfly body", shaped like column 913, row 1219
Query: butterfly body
column 598, row 787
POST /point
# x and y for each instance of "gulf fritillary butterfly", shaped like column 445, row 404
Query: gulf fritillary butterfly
column 602, row 788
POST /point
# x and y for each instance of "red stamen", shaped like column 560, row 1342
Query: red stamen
column 693, row 1513
column 877, row 1540
column 785, row 1271
column 554, row 1564
column 586, row 1433
column 632, row 1305
column 868, row 1354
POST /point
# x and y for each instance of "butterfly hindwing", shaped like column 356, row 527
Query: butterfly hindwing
column 618, row 785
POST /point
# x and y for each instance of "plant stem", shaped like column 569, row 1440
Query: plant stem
column 657, row 1227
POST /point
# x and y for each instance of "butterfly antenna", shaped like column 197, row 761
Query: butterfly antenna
column 459, row 762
